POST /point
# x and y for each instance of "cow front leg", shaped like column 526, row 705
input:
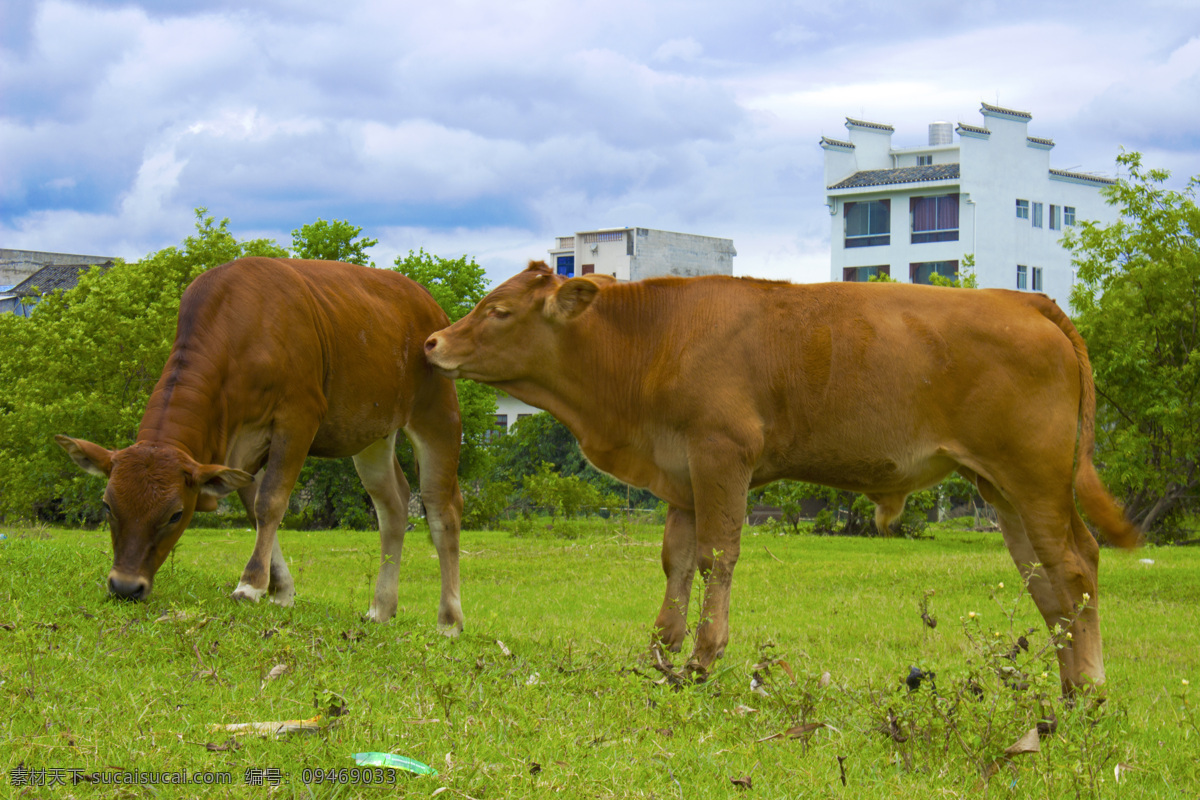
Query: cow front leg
column 267, row 571
column 720, row 483
column 679, row 565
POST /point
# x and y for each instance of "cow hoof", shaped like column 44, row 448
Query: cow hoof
column 450, row 631
column 245, row 591
column 375, row 615
column 287, row 600
column 696, row 672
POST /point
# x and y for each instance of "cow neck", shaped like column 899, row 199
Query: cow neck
column 597, row 374
column 186, row 410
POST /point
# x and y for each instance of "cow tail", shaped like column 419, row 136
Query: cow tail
column 1099, row 505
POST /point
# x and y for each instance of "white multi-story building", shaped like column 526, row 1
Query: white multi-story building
column 910, row 212
column 631, row 254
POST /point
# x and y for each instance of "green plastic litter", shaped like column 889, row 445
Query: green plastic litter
column 393, row 761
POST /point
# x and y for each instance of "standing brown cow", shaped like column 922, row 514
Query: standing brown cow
column 702, row 388
column 274, row 360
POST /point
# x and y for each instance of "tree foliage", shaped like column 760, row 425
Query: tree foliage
column 540, row 438
column 332, row 241
column 568, row 495
column 84, row 363
column 1137, row 303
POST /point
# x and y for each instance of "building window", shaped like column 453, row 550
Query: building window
column 587, row 269
column 864, row 274
column 868, row 223
column 499, row 430
column 1055, row 219
column 925, row 161
column 1068, row 215
column 919, row 273
column 1037, row 215
column 565, row 265
column 1022, row 276
column 1037, row 279
column 934, row 219
column 1022, row 209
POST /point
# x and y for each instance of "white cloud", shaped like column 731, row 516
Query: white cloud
column 686, row 49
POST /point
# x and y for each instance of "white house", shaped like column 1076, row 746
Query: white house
column 631, row 254
column 910, row 212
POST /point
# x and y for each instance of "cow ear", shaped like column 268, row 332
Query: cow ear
column 571, row 299
column 217, row 481
column 91, row 458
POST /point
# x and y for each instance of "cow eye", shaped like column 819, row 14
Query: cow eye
column 498, row 313
column 178, row 515
column 107, row 510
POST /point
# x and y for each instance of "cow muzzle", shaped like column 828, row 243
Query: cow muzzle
column 436, row 358
column 124, row 587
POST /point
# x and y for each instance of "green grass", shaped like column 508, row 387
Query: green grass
column 577, row 709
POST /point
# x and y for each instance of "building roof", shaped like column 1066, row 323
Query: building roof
column 53, row 277
column 1082, row 176
column 972, row 129
column 1007, row 112
column 887, row 177
column 879, row 126
column 827, row 142
column 1037, row 141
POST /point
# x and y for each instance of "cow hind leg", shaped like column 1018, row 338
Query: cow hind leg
column 384, row 481
column 1059, row 559
column 436, row 439
column 679, row 565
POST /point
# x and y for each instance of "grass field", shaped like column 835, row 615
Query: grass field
column 551, row 691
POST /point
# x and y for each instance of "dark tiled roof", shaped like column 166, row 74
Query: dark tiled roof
column 825, row 140
column 887, row 177
column 1082, row 176
column 1006, row 111
column 962, row 126
column 55, row 276
column 1039, row 140
column 875, row 125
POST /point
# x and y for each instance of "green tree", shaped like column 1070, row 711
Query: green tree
column 532, row 441
column 569, row 495
column 85, row 362
column 541, row 438
column 332, row 241
column 457, row 284
column 1137, row 303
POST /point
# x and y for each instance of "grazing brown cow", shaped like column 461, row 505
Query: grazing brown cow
column 702, row 388
column 275, row 360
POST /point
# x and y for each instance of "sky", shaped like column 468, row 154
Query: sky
column 487, row 129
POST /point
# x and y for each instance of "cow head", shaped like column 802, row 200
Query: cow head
column 512, row 329
column 152, row 492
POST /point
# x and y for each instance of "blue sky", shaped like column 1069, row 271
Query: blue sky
column 490, row 128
